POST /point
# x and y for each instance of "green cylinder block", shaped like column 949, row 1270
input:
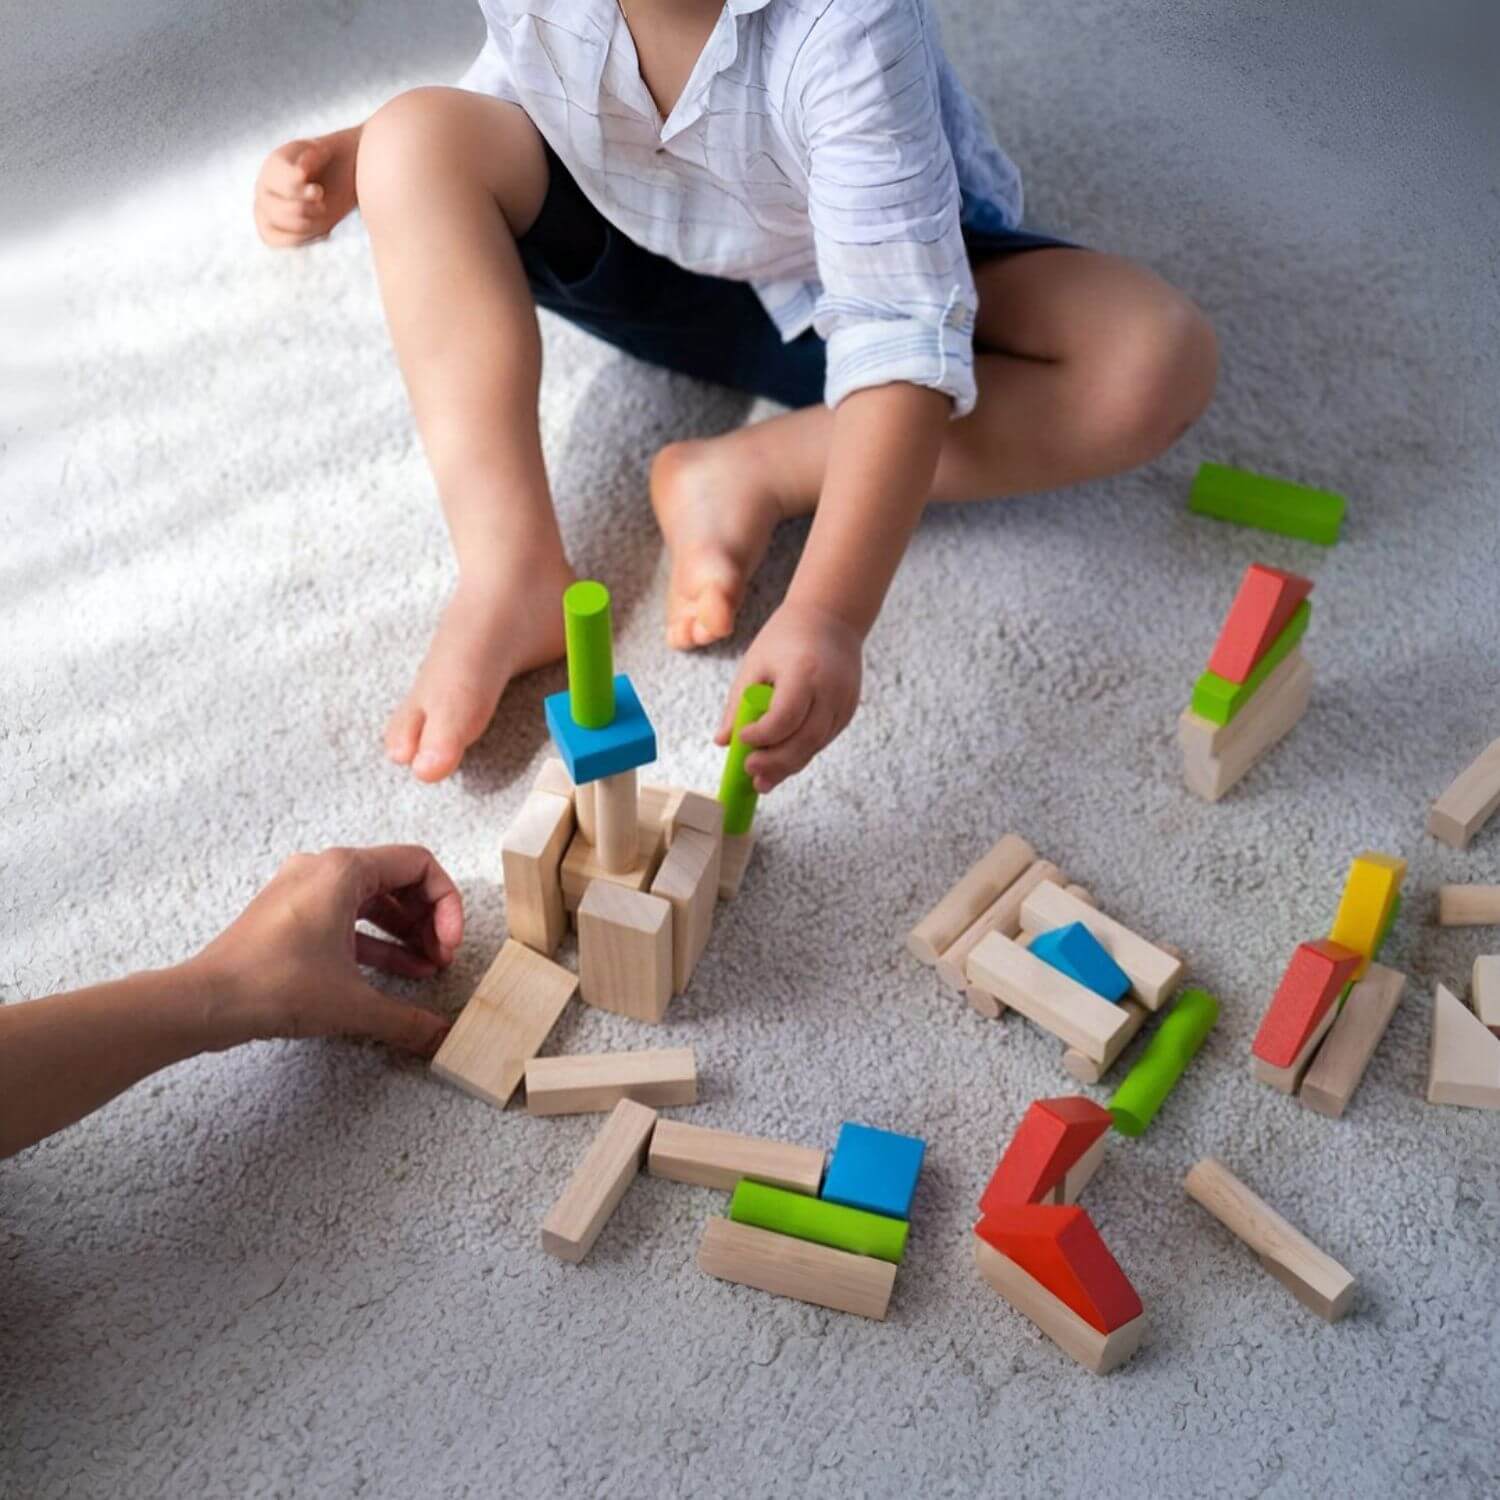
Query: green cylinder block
column 736, row 790
column 1169, row 1051
column 808, row 1218
column 591, row 654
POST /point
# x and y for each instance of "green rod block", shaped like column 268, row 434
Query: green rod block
column 1390, row 922
column 1219, row 700
column 736, row 790
column 1268, row 504
column 807, row 1218
column 1158, row 1068
column 591, row 654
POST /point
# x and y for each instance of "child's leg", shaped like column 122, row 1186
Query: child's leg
column 1089, row 365
column 447, row 180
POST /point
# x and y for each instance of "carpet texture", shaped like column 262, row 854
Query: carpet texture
column 311, row 1269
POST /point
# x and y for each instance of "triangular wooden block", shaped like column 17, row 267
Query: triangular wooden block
column 1465, row 1063
column 1051, row 1139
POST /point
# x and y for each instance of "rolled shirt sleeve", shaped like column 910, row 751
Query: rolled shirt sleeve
column 898, row 298
column 490, row 72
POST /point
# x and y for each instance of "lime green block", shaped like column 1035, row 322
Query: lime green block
column 1268, row 504
column 736, row 790
column 1167, row 1054
column 1390, row 922
column 1219, row 700
column 807, row 1218
column 589, row 634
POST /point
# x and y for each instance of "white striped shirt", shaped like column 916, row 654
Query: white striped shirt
column 821, row 150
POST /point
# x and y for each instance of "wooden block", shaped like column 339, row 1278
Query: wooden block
column 655, row 804
column 1263, row 607
column 587, row 1082
column 1204, row 739
column 1288, row 1079
column 531, row 855
column 1219, row 700
column 694, row 810
column 1081, row 1173
column 1099, row 1352
column 625, row 951
column 738, row 847
column 1154, row 973
column 1362, row 1019
column 789, row 1267
column 1466, row 806
column 1001, row 915
column 505, row 1023
column 719, row 1158
column 1084, row 1068
column 1053, row 1137
column 1468, row 905
column 689, row 880
column 981, row 1002
column 553, row 777
column 979, row 887
column 1485, row 990
column 617, row 822
column 1315, row 1279
column 582, row 866
column 1271, row 715
column 609, row 1166
column 1464, row 1066
column 1370, row 894
column 1309, row 988
column 584, row 804
column 1042, row 994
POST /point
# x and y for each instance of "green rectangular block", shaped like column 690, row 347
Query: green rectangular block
column 816, row 1219
column 1219, row 700
column 1268, row 504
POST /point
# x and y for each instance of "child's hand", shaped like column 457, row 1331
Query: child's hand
column 305, row 188
column 813, row 659
column 289, row 964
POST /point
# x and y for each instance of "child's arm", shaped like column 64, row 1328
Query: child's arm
column 287, row 967
column 305, row 188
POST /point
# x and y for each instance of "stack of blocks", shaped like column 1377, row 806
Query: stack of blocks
column 1257, row 685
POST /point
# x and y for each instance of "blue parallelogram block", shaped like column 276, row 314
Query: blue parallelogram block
column 590, row 754
column 1080, row 955
column 875, row 1170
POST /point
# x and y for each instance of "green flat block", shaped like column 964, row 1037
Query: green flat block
column 1219, row 700
column 816, row 1219
column 1268, row 504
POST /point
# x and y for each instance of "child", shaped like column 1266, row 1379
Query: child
column 794, row 197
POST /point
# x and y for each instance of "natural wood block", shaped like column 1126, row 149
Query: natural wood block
column 719, row 1158
column 1485, row 990
column 609, row 1166
column 582, row 866
column 1341, row 1061
column 1081, row 1173
column 694, row 810
column 1271, row 715
column 1203, row 739
column 1464, row 1066
column 1099, row 1352
column 1153, row 973
column 979, row 887
column 1053, row 1136
column 505, row 1023
column 584, row 804
column 586, row 1082
column 1285, row 1080
column 1001, row 915
column 982, row 1003
column 789, row 1267
column 625, row 951
column 738, row 847
column 689, row 880
column 553, row 777
column 1466, row 806
column 1084, row 1068
column 1315, row 1279
column 1046, row 995
column 617, row 822
column 1468, row 905
column 531, row 855
column 656, row 804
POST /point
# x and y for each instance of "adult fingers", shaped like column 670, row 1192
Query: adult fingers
column 409, row 869
column 368, row 1013
column 391, row 958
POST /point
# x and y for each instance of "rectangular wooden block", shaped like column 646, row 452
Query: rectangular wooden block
column 1262, row 608
column 1042, row 994
column 689, row 880
column 1370, row 894
column 1247, row 499
column 807, row 1218
column 789, row 1267
column 979, row 887
column 738, row 847
column 1218, row 700
column 1362, row 1019
column 586, row 1082
column 1272, row 714
column 609, row 1166
column 531, row 854
column 1310, row 987
column 503, row 1027
column 625, row 951
column 1001, row 915
column 1466, row 806
column 1204, row 740
column 697, row 811
column 655, row 805
column 1315, row 1279
column 553, row 777
column 1154, row 973
column 582, row 865
column 719, row 1158
column 1084, row 1068
column 1288, row 1079
column 1468, row 905
column 1485, row 990
column 1464, row 1065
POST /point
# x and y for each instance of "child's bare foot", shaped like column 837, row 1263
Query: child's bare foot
column 717, row 517
column 491, row 631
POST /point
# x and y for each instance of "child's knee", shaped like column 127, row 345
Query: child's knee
column 396, row 141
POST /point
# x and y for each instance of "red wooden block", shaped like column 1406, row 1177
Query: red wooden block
column 1059, row 1246
column 1052, row 1136
column 1313, row 979
column 1266, row 602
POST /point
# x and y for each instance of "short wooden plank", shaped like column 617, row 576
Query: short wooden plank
column 1341, row 1062
column 582, row 865
column 789, row 1267
column 625, row 951
column 689, row 880
column 1484, row 990
column 698, row 811
column 531, row 854
column 1287, row 1080
column 1084, row 1068
column 609, row 1166
column 977, row 888
column 1469, row 801
column 1002, row 915
column 553, row 777
column 1271, row 715
column 1468, row 905
column 719, row 1158
column 587, row 1082
column 738, row 847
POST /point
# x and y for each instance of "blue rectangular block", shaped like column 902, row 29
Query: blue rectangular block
column 590, row 754
column 1075, row 951
column 875, row 1170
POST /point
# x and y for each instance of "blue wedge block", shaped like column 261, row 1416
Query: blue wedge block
column 1080, row 955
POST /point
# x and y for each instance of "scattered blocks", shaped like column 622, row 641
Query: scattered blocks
column 1001, row 915
column 1075, row 951
column 1464, row 1066
column 719, row 1158
column 1053, row 1137
column 531, row 856
column 1311, row 985
column 1262, row 609
column 1277, row 505
column 1485, row 990
column 790, row 1267
column 1366, row 907
column 609, row 1166
column 875, row 1170
column 1468, row 803
column 1219, row 700
column 1145, row 1087
column 583, row 1083
column 1361, row 1022
column 819, row 1220
column 1468, row 905
column 980, row 886
column 625, row 951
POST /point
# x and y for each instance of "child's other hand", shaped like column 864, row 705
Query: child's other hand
column 305, row 188
column 814, row 660
column 288, row 966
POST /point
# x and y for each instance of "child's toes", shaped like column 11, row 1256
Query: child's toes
column 404, row 733
column 714, row 615
column 451, row 727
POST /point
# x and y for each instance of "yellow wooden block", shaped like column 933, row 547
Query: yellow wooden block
column 1365, row 907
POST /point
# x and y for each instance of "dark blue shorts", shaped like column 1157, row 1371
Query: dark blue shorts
column 582, row 268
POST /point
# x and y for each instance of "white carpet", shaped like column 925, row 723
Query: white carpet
column 310, row 1269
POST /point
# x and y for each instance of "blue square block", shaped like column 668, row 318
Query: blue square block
column 592, row 753
column 1080, row 955
column 875, row 1170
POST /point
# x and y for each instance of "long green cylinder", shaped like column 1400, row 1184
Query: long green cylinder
column 736, row 790
column 1169, row 1051
column 591, row 654
column 807, row 1218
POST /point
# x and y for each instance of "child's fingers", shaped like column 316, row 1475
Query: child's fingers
column 790, row 704
column 769, row 768
column 286, row 170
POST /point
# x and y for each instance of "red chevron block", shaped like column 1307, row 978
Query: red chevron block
column 1312, row 982
column 1058, row 1246
column 1052, row 1136
column 1266, row 601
